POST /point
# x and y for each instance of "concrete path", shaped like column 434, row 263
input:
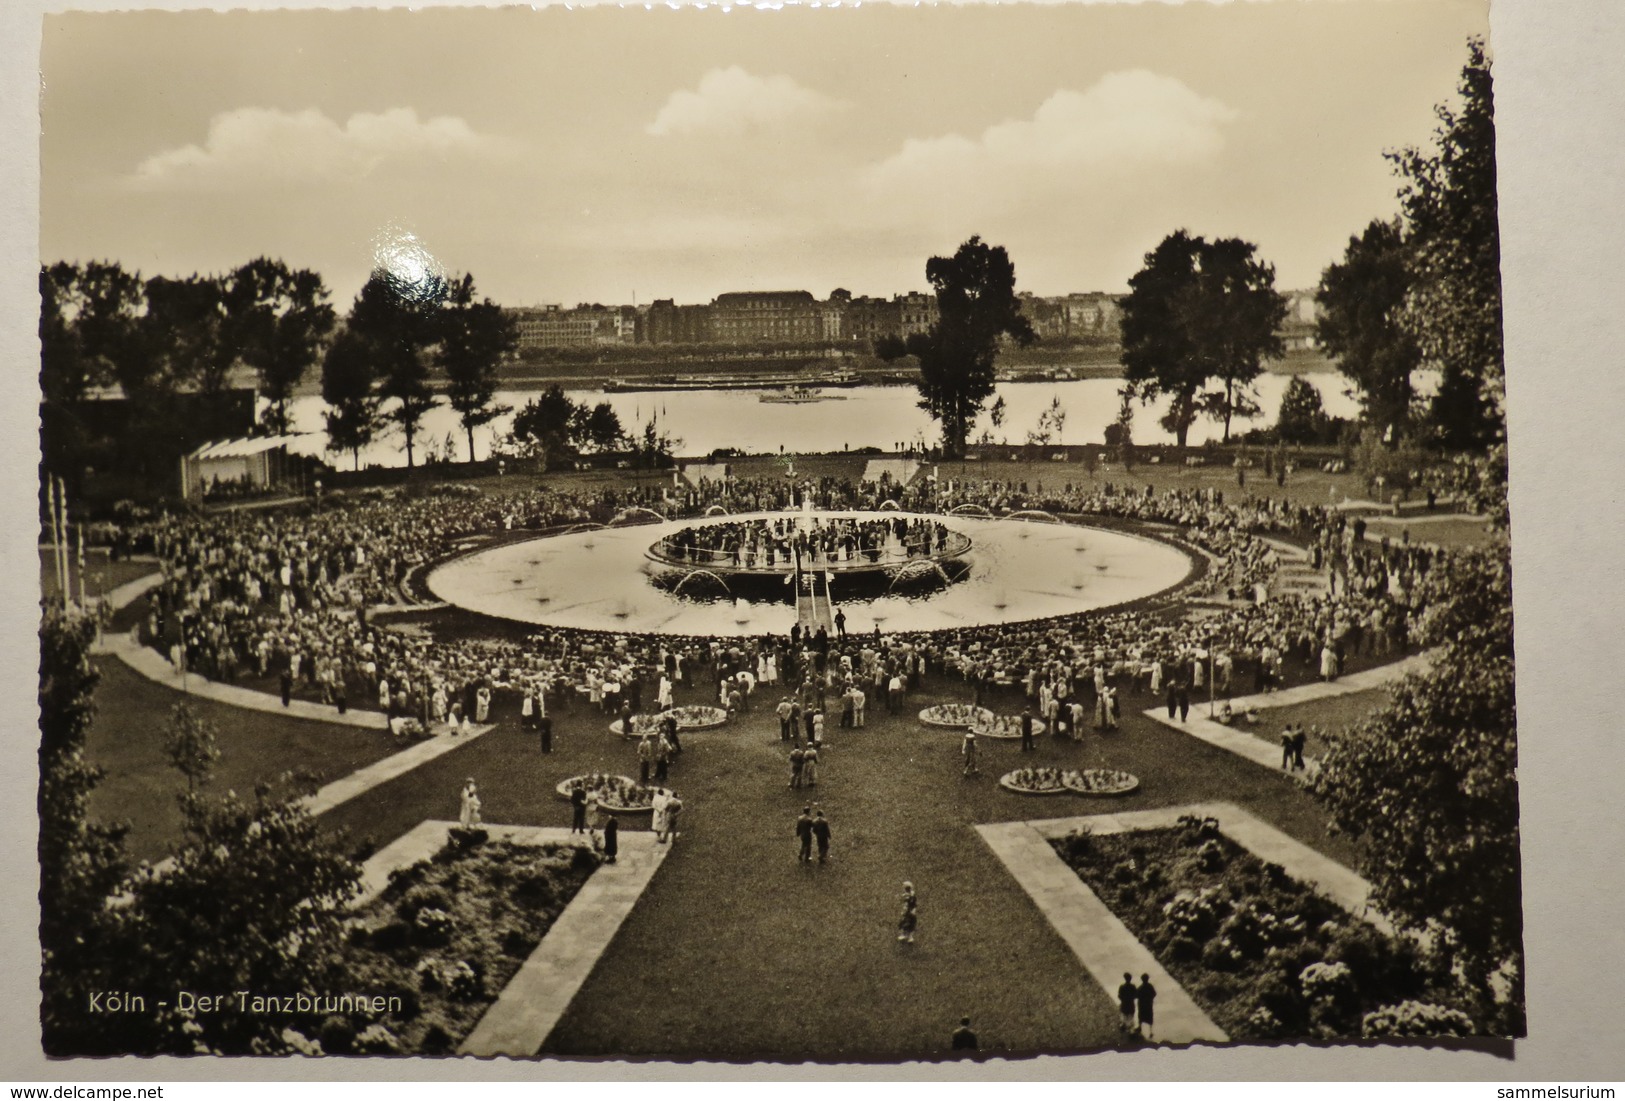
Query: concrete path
column 1105, row 946
column 396, row 764
column 1102, row 943
column 1236, row 739
column 519, row 1021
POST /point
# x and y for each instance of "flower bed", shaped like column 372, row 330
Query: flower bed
column 956, row 715
column 691, row 717
column 1262, row 954
column 445, row 937
column 616, row 794
column 1004, row 726
column 1069, row 781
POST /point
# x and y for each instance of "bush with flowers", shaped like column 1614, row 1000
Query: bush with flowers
column 445, row 935
column 1263, row 955
column 957, row 716
column 616, row 794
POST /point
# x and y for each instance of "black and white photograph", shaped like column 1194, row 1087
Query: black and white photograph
column 846, row 535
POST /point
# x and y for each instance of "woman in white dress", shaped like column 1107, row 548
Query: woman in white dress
column 659, row 823
column 482, row 704
column 470, row 815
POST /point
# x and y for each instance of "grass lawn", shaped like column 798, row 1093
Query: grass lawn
column 100, row 575
column 736, row 951
column 1444, row 533
column 127, row 740
column 1330, row 715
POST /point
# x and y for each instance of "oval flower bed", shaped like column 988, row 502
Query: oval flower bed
column 1004, row 726
column 691, row 717
column 616, row 794
column 1264, row 956
column 955, row 715
column 1069, row 781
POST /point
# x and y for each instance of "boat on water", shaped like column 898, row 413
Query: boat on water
column 799, row 395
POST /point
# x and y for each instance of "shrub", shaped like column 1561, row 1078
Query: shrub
column 1184, row 950
column 424, row 896
column 534, row 888
column 392, row 936
column 1277, row 994
column 1219, row 954
column 584, row 859
column 1210, row 857
column 377, row 1039
column 1195, row 914
column 1416, row 1019
column 432, row 926
column 1080, row 846
column 517, row 943
column 1265, row 1025
column 1217, row 988
column 464, row 839
column 1126, row 871
column 337, row 1036
column 436, row 1041
column 1330, row 982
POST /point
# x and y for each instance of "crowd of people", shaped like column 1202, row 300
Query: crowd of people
column 832, row 541
column 293, row 595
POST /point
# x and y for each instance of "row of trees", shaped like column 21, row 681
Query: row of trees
column 1424, row 288
column 1202, row 317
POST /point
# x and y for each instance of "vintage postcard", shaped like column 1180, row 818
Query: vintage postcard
column 809, row 536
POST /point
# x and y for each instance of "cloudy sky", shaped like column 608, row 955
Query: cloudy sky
column 611, row 155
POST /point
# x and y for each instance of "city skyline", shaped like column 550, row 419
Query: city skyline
column 620, row 156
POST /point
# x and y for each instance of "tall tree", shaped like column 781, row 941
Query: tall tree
column 976, row 305
column 1429, row 785
column 81, row 860
column 1201, row 311
column 598, row 427
column 1448, row 201
column 1302, row 418
column 1362, row 299
column 280, row 320
column 190, row 332
column 400, row 324
column 350, row 389
column 1159, row 353
column 475, row 337
column 1234, row 318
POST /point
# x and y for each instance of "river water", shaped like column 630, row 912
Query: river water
column 851, row 418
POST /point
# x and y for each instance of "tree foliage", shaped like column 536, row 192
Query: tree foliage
column 559, row 427
column 1200, row 312
column 280, row 321
column 350, row 389
column 1362, row 302
column 1302, row 418
column 475, row 337
column 81, row 860
column 1453, row 310
column 976, row 305
column 1429, row 785
column 399, row 324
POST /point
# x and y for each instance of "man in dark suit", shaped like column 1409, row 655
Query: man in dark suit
column 804, row 834
column 1027, row 729
column 544, row 725
column 820, row 832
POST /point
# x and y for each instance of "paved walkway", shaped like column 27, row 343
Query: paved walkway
column 1105, row 946
column 1102, row 943
column 1235, row 739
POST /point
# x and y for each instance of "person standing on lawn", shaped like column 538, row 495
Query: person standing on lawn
column 804, row 835
column 578, row 809
column 797, row 758
column 646, row 757
column 820, row 831
column 544, row 726
column 1027, row 729
column 910, row 921
column 612, row 838
column 968, row 749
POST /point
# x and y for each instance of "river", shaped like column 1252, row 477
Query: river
column 850, row 418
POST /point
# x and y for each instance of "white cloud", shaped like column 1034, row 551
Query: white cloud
column 259, row 144
column 731, row 101
column 1127, row 121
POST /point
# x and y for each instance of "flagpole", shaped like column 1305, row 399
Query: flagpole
column 62, row 545
column 56, row 539
column 79, row 535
